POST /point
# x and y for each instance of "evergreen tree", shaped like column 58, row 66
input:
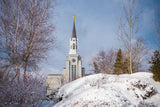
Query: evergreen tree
column 96, row 69
column 155, row 67
column 118, row 66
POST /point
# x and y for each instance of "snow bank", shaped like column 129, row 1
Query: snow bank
column 138, row 89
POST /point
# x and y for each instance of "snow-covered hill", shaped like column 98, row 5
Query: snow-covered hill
column 138, row 89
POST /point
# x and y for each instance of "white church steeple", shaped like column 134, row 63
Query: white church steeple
column 73, row 69
column 73, row 41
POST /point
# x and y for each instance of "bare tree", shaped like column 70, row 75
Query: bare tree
column 25, row 32
column 128, row 28
column 13, row 94
column 139, row 53
column 103, row 61
column 96, row 68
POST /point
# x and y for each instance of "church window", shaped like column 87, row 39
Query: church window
column 73, row 46
column 73, row 72
column 73, row 60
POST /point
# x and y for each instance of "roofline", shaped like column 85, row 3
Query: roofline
column 54, row 74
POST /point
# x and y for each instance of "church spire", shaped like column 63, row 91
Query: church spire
column 74, row 29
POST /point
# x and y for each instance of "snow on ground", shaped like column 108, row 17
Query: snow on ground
column 138, row 89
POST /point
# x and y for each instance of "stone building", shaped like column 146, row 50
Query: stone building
column 73, row 69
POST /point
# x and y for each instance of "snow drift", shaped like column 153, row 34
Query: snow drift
column 138, row 89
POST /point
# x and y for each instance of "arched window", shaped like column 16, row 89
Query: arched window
column 73, row 46
column 73, row 72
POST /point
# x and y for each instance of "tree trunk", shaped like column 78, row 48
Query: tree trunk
column 18, row 74
column 24, row 75
column 130, row 52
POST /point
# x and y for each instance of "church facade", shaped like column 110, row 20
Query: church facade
column 73, row 69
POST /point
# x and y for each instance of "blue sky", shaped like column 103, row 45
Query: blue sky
column 96, row 26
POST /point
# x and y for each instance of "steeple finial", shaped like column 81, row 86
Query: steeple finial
column 74, row 29
column 73, row 17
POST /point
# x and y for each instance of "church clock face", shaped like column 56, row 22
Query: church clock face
column 73, row 60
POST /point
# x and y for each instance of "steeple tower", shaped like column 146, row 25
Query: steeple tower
column 73, row 69
column 74, row 29
column 73, row 40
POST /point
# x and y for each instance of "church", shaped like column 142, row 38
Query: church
column 73, row 69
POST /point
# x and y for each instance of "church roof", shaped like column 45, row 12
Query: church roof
column 54, row 74
column 74, row 28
